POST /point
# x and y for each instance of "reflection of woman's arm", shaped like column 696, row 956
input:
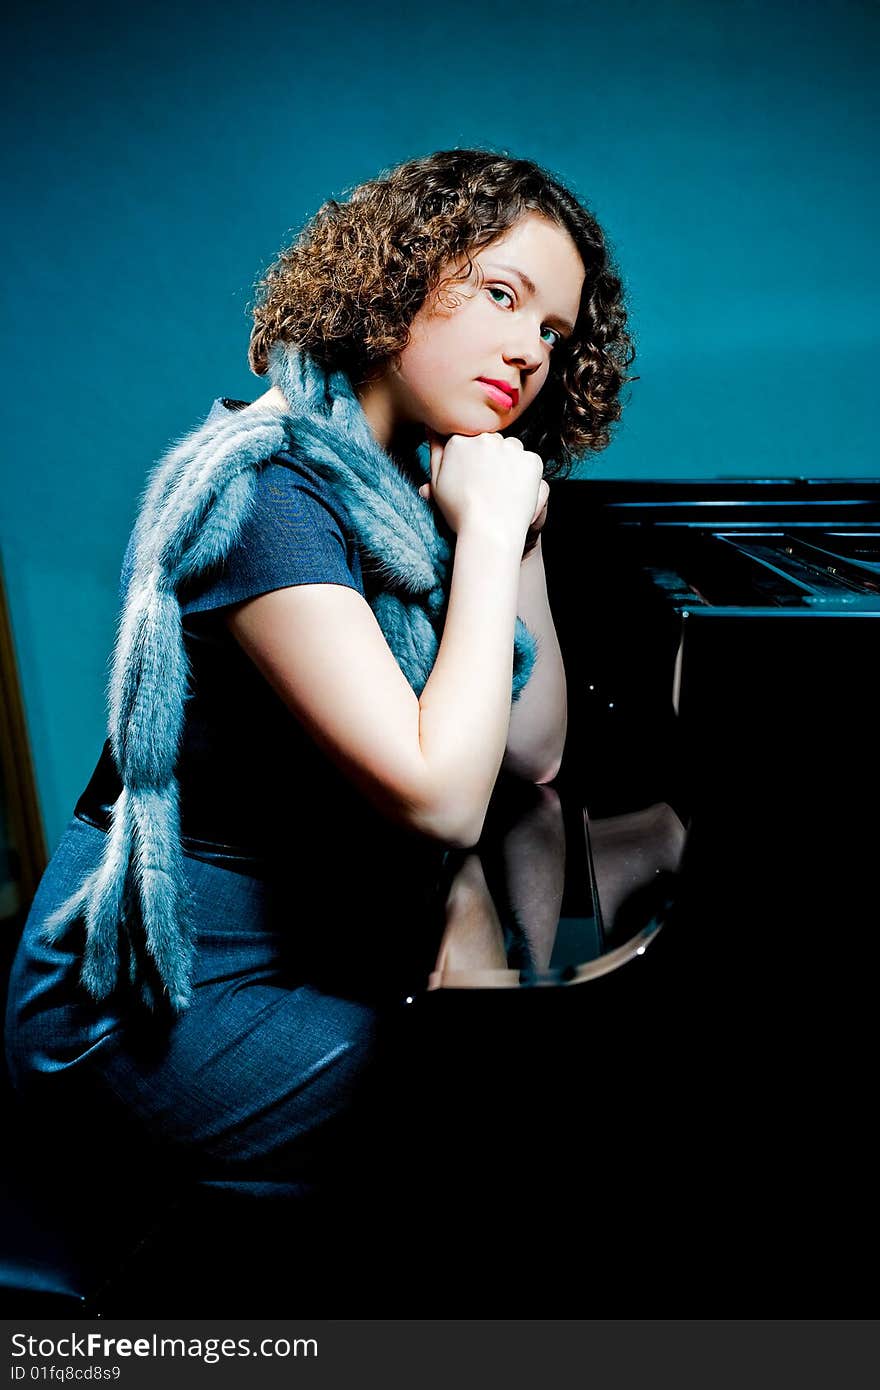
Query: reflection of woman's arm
column 630, row 850
column 538, row 720
column 533, row 858
column 473, row 938
column 528, row 857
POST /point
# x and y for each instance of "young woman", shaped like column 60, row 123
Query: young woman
column 330, row 643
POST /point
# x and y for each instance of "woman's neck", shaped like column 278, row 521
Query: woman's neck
column 273, row 397
column 399, row 438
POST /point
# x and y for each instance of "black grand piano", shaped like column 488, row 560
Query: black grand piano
column 720, row 769
column 682, row 1062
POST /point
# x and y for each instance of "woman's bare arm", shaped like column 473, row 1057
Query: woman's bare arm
column 539, row 719
column 429, row 763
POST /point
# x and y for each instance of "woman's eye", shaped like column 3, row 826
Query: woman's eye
column 497, row 289
column 557, row 337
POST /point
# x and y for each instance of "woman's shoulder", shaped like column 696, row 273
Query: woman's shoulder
column 296, row 530
column 284, row 479
column 284, row 483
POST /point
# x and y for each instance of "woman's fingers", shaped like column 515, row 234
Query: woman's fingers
column 485, row 476
column 543, row 495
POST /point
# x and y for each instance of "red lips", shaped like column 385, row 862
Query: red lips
column 511, row 391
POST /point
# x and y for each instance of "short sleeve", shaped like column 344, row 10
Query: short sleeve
column 295, row 533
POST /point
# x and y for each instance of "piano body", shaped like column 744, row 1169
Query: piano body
column 686, row 1074
column 723, row 658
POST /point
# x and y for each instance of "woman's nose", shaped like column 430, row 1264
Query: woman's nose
column 525, row 348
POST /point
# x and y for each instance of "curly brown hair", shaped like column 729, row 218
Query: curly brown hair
column 350, row 285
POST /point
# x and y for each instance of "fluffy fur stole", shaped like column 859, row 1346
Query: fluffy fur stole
column 135, row 905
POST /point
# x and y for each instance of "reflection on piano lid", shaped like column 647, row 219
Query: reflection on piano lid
column 721, row 647
column 547, row 898
column 719, row 641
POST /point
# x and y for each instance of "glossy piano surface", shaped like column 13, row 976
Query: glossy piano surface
column 551, row 897
column 645, row 1061
column 720, row 642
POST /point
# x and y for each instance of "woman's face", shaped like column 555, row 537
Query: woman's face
column 504, row 330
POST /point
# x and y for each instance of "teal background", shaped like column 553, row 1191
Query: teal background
column 156, row 159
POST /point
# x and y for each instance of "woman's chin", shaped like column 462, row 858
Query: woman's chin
column 469, row 425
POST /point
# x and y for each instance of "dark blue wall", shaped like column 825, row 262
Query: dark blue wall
column 156, row 162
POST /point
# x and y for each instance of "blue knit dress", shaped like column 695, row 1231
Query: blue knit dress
column 302, row 956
